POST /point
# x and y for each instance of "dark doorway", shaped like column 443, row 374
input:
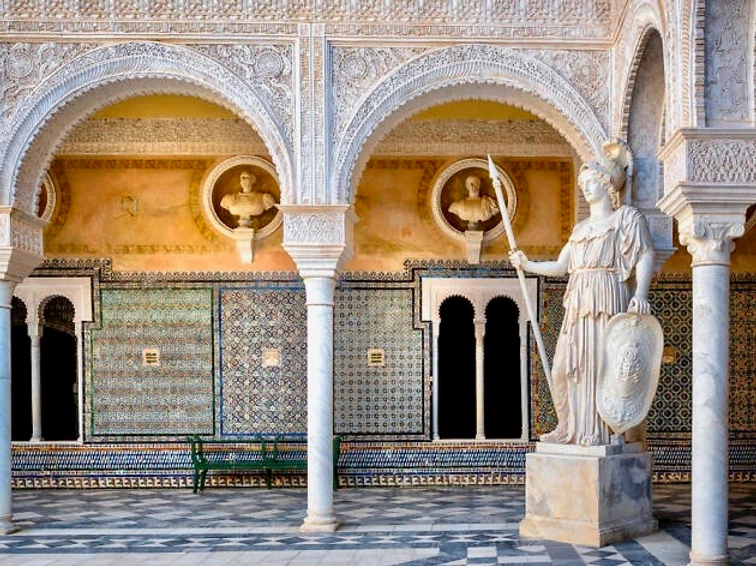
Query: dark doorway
column 503, row 409
column 456, row 370
column 58, row 371
column 21, row 414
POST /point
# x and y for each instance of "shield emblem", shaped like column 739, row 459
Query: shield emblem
column 631, row 358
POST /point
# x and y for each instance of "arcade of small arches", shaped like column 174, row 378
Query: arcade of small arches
column 109, row 247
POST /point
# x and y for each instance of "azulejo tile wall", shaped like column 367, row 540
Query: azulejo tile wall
column 128, row 396
column 229, row 326
column 385, row 399
column 263, row 396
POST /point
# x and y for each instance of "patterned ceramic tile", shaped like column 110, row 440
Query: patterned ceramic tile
column 175, row 397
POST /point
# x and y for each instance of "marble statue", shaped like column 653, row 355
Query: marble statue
column 609, row 258
column 247, row 203
column 474, row 208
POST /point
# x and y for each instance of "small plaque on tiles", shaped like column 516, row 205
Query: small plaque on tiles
column 151, row 357
column 376, row 357
column 271, row 357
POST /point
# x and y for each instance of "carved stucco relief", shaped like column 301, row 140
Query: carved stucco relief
column 28, row 64
column 728, row 25
column 268, row 68
column 587, row 71
column 723, row 161
column 163, row 136
column 480, row 66
column 575, row 19
column 114, row 72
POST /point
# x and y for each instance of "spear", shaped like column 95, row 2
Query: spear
column 520, row 274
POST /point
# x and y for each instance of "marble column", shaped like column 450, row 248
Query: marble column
column 6, row 296
column 709, row 218
column 80, row 377
column 480, row 414
column 436, row 340
column 711, row 362
column 320, row 240
column 320, row 512
column 35, row 333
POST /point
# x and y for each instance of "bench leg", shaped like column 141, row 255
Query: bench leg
column 203, row 476
column 196, row 481
column 268, row 477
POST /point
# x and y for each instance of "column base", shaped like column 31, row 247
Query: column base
column 699, row 560
column 480, row 437
column 6, row 525
column 592, row 496
column 327, row 524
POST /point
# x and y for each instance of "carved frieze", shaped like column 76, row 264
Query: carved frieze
column 723, row 161
column 474, row 137
column 163, row 136
column 552, row 19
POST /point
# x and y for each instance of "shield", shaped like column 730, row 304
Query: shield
column 631, row 358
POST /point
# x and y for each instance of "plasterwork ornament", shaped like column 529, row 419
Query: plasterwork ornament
column 163, row 136
column 567, row 19
column 28, row 64
column 114, row 72
column 728, row 27
column 20, row 243
column 474, row 137
column 723, row 161
column 357, row 69
column 478, row 66
column 320, row 239
column 587, row 72
column 268, row 68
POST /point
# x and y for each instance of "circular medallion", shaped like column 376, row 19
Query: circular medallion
column 19, row 63
column 464, row 200
column 269, row 64
column 354, row 66
column 242, row 193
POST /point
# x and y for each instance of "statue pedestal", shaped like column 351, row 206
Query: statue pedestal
column 473, row 245
column 592, row 496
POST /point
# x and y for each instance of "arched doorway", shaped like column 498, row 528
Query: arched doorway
column 21, row 396
column 502, row 366
column 456, row 364
column 58, row 383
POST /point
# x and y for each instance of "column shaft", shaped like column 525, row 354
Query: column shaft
column 711, row 346
column 436, row 340
column 36, row 384
column 6, row 295
column 320, row 512
column 480, row 415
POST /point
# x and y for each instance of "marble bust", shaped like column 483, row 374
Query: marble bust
column 247, row 203
column 474, row 208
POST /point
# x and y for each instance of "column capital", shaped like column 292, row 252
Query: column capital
column 709, row 217
column 319, row 238
column 20, row 243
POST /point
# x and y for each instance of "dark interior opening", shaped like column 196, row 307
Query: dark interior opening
column 502, row 406
column 456, row 370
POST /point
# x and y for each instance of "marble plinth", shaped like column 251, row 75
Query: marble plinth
column 592, row 496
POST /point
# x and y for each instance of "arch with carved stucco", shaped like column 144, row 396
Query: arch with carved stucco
column 116, row 72
column 457, row 73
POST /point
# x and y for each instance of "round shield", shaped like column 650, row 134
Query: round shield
column 631, row 358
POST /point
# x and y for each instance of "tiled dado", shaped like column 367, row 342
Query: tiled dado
column 362, row 464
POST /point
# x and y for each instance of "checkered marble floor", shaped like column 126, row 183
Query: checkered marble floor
column 411, row 527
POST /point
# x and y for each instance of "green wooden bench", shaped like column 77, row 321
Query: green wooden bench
column 257, row 454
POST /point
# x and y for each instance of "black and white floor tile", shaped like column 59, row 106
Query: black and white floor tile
column 411, row 527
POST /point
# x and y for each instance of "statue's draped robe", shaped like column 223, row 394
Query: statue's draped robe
column 601, row 266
